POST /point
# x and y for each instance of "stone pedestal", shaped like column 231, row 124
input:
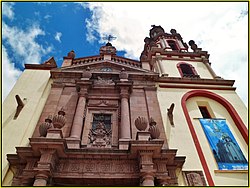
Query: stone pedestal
column 123, row 144
column 54, row 133
column 73, row 143
column 142, row 135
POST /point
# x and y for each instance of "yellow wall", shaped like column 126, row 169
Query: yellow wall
column 179, row 136
column 170, row 67
column 34, row 85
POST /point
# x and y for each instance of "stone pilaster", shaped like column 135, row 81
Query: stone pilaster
column 45, row 166
column 78, row 119
column 206, row 62
column 75, row 136
column 147, row 171
column 125, row 117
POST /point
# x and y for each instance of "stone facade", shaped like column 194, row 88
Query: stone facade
column 113, row 121
column 87, row 130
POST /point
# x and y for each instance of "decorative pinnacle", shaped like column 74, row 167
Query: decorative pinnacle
column 109, row 38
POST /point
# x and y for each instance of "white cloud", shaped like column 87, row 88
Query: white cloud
column 47, row 17
column 58, row 36
column 9, row 74
column 23, row 42
column 7, row 10
column 219, row 28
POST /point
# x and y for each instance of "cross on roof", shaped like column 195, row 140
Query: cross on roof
column 109, row 38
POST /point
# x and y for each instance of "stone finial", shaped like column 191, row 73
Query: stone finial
column 43, row 128
column 194, row 46
column 170, row 114
column 155, row 31
column 86, row 75
column 141, row 123
column 153, row 129
column 71, row 54
column 59, row 120
column 123, row 75
column 173, row 31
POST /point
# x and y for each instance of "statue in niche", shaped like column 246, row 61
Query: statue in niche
column 100, row 136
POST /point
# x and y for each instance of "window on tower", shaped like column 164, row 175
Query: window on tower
column 172, row 45
column 187, row 70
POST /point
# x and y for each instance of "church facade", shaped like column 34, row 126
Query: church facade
column 106, row 120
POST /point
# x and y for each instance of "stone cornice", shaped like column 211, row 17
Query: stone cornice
column 196, row 81
column 47, row 65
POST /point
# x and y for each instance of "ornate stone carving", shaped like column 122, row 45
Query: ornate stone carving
column 43, row 128
column 141, row 123
column 194, row 178
column 100, row 136
column 97, row 166
column 104, row 103
column 101, row 81
column 153, row 129
column 108, row 49
column 59, row 119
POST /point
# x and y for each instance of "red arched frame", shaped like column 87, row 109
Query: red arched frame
column 236, row 118
column 180, row 71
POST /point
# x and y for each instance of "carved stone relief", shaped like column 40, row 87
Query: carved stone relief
column 100, row 136
column 194, row 178
column 102, row 81
column 97, row 166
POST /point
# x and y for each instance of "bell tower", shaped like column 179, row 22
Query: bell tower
column 162, row 46
column 191, row 97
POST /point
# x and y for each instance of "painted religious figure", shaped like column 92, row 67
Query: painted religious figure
column 225, row 148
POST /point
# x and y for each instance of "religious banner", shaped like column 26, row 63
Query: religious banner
column 226, row 150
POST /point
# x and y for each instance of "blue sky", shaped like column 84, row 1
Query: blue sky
column 33, row 32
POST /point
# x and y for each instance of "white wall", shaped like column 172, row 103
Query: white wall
column 34, row 85
column 179, row 136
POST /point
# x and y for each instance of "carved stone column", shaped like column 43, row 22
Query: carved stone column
column 164, row 180
column 78, row 119
column 41, row 179
column 45, row 166
column 74, row 140
column 125, row 118
column 147, row 179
